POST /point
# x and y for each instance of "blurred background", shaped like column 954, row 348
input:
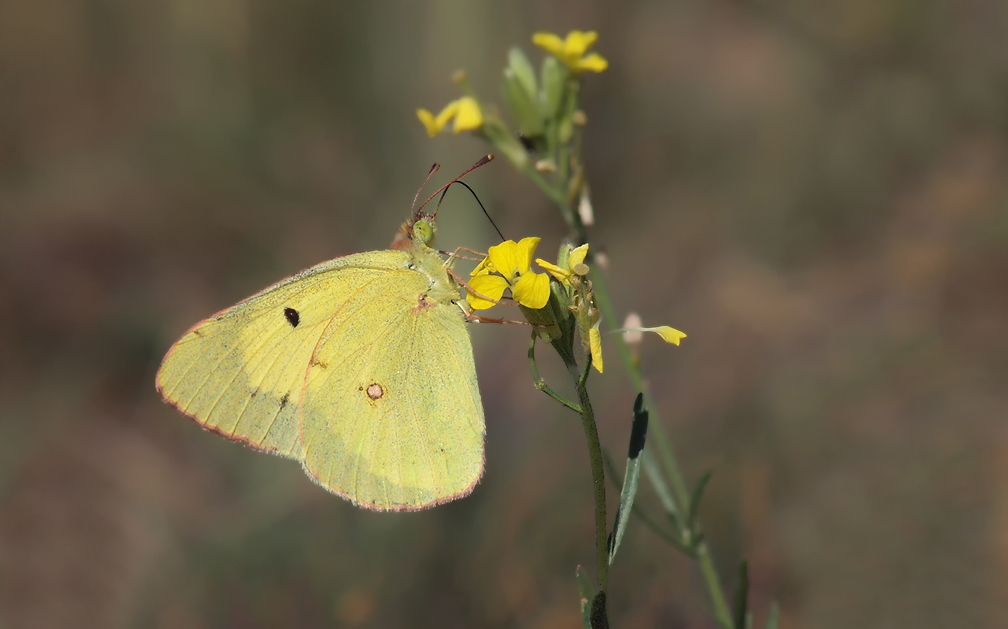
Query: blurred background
column 815, row 192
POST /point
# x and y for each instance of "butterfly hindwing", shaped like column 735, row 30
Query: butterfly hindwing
column 392, row 417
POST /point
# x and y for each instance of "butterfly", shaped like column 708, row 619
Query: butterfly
column 361, row 368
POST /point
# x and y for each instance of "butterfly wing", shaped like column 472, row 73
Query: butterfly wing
column 241, row 372
column 391, row 413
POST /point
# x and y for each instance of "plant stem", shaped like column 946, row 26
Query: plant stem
column 598, row 469
column 719, row 604
column 722, row 613
column 557, row 192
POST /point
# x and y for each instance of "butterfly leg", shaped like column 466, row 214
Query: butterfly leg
column 454, row 255
column 478, row 319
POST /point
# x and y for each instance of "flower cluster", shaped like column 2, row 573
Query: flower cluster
column 543, row 107
column 508, row 266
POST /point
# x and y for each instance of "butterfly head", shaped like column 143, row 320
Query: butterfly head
column 423, row 230
column 419, row 230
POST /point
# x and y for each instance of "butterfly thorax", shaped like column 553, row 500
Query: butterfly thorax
column 414, row 238
column 427, row 261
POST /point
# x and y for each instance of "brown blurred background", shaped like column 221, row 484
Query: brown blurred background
column 815, row 192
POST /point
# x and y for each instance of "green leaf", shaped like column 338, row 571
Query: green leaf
column 773, row 617
column 638, row 434
column 586, row 591
column 694, row 503
column 742, row 596
column 654, row 475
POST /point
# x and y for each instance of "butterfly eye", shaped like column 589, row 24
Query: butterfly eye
column 423, row 231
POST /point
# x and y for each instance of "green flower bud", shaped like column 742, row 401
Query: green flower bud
column 523, row 108
column 554, row 87
column 522, row 70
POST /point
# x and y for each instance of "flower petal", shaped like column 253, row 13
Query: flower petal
column 577, row 255
column 504, row 258
column 578, row 42
column 468, row 116
column 488, row 285
column 595, row 343
column 427, row 118
column 532, row 290
column 669, row 334
column 594, row 62
column 549, row 42
column 524, row 251
column 561, row 274
column 485, row 267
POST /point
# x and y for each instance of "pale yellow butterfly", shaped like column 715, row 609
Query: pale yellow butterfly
column 360, row 368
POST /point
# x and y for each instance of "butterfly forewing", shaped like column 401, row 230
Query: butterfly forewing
column 241, row 372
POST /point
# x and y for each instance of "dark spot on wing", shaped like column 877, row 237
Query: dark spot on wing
column 284, row 400
column 375, row 391
column 254, row 393
column 293, row 318
column 321, row 364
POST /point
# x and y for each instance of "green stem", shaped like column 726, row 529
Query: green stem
column 722, row 613
column 558, row 194
column 548, row 189
column 597, row 466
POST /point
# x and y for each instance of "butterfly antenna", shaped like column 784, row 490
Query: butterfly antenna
column 475, row 196
column 433, row 169
column 486, row 160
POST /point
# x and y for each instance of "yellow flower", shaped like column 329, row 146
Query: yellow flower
column 595, row 345
column 513, row 262
column 571, row 51
column 465, row 111
column 575, row 265
column 668, row 333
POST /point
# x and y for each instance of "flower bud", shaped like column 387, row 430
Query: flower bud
column 554, row 86
column 521, row 102
column 522, row 70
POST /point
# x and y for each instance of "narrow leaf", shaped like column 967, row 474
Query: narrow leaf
column 654, row 474
column 638, row 431
column 586, row 592
column 742, row 596
column 773, row 618
column 694, row 506
column 638, row 434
